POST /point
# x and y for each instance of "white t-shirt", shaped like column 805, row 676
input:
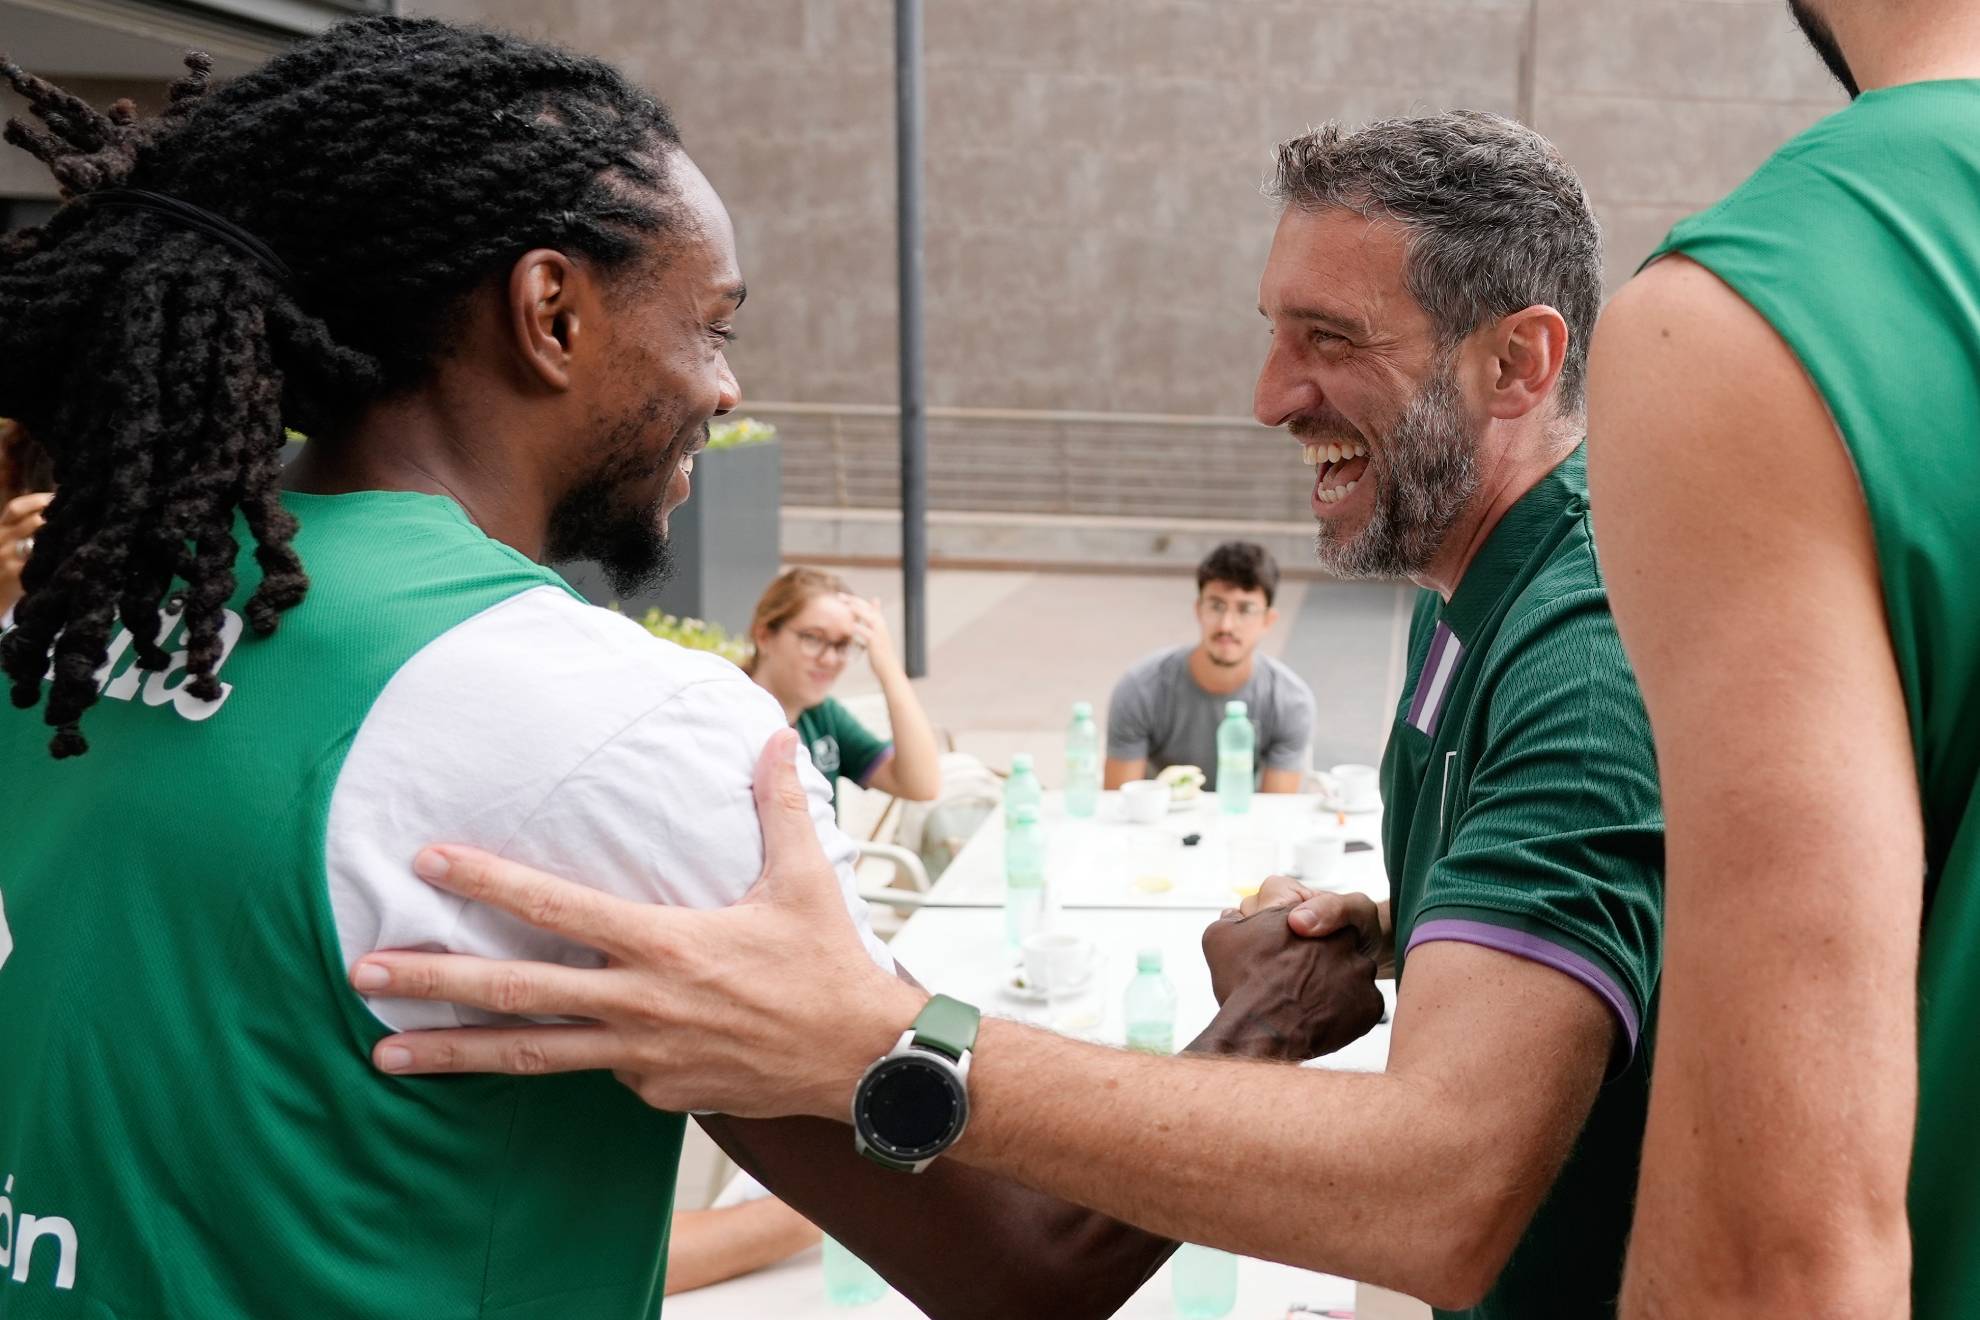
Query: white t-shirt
column 568, row 738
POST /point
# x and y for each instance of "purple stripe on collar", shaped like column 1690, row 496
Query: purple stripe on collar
column 1523, row 944
column 1433, row 684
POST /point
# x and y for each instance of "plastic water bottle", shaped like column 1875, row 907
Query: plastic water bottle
column 1082, row 762
column 1024, row 877
column 850, row 1281
column 1151, row 1006
column 1203, row 1282
column 1022, row 789
column 1236, row 742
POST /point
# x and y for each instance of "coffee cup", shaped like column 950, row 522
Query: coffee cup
column 1318, row 856
column 1056, row 961
column 1354, row 787
column 1144, row 801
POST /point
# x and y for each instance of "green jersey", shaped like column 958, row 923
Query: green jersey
column 840, row 745
column 1857, row 243
column 1522, row 814
column 190, row 1125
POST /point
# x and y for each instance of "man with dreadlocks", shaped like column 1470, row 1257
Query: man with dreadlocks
column 483, row 277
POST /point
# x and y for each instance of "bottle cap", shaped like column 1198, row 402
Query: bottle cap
column 1020, row 761
column 1148, row 960
column 1233, row 708
column 1024, row 814
column 1082, row 710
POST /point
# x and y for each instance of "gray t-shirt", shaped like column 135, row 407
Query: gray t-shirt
column 1158, row 713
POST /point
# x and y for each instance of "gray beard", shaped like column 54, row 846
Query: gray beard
column 1428, row 474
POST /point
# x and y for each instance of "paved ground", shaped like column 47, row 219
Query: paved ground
column 1010, row 652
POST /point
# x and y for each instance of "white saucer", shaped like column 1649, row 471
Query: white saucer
column 1017, row 987
column 1184, row 804
column 1328, row 804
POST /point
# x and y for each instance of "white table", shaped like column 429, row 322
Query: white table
column 960, row 951
column 1106, row 861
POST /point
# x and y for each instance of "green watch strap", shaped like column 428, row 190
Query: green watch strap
column 947, row 1025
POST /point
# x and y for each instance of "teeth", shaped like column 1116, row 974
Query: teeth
column 1350, row 486
column 1311, row 455
column 1361, row 451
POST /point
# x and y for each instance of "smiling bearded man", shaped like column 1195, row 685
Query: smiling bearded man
column 1430, row 291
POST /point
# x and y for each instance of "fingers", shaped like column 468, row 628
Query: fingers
column 790, row 841
column 25, row 507
column 537, row 897
column 524, row 1051
column 1277, row 891
column 526, row 989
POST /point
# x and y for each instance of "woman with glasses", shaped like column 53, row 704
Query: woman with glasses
column 808, row 627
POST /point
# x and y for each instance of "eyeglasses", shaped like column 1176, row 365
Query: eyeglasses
column 1215, row 608
column 817, row 646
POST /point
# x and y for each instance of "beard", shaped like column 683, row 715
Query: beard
column 601, row 519
column 1428, row 474
column 1823, row 39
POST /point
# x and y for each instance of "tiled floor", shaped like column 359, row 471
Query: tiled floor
column 1010, row 652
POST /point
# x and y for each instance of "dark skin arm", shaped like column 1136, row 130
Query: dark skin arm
column 1287, row 998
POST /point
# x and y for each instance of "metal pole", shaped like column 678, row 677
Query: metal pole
column 914, row 397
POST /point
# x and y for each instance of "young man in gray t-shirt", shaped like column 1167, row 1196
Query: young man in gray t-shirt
column 1165, row 710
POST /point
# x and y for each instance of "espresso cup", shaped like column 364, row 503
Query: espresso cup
column 1355, row 787
column 1055, row 961
column 1144, row 801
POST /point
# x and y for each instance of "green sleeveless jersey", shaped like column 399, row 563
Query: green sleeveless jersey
column 1860, row 243
column 190, row 1125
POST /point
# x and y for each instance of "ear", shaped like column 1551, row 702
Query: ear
column 545, row 289
column 1528, row 350
column 1271, row 617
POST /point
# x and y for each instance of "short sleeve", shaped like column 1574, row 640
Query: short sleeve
column 1284, row 745
column 860, row 752
column 621, row 762
column 1557, row 853
column 1128, row 714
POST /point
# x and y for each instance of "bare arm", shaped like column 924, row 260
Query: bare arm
column 1282, row 781
column 1422, row 1178
column 1744, row 583
column 914, row 771
column 1428, row 1173
column 708, row 1246
column 1121, row 772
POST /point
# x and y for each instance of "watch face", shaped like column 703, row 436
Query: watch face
column 910, row 1107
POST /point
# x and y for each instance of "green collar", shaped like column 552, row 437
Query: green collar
column 1501, row 563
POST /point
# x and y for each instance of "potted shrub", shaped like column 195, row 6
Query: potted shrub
column 725, row 539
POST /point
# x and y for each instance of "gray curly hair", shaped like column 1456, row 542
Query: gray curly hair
column 1497, row 221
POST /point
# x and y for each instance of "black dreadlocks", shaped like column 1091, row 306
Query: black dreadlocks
column 391, row 164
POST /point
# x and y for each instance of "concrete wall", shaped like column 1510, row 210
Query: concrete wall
column 1094, row 226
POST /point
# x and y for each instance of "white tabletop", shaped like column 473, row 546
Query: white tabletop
column 960, row 951
column 1108, row 861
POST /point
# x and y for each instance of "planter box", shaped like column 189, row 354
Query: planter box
column 725, row 541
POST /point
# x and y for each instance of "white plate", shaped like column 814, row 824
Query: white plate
column 1017, row 987
column 1184, row 804
column 1328, row 804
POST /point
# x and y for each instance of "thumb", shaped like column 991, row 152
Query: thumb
column 1322, row 914
column 795, row 867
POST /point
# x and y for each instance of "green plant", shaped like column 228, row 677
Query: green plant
column 733, row 432
column 696, row 635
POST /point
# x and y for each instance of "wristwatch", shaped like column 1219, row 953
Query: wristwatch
column 912, row 1102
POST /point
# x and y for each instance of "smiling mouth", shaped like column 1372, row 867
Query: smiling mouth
column 1340, row 469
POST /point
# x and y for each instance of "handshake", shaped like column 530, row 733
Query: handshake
column 1294, row 972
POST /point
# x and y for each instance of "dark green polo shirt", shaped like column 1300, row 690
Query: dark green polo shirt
column 841, row 746
column 1520, row 786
